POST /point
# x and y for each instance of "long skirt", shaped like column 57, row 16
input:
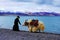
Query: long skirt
column 15, row 28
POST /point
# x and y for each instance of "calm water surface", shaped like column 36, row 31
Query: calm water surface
column 52, row 23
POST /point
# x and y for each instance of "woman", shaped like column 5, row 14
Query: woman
column 16, row 22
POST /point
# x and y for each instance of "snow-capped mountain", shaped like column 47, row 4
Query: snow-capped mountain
column 31, row 13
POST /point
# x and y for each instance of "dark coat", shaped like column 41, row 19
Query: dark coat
column 15, row 26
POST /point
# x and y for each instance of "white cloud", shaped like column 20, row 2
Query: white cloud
column 5, row 0
column 27, row 7
column 56, row 2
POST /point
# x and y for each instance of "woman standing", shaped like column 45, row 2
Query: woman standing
column 16, row 22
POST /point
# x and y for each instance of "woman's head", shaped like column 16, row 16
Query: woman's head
column 18, row 17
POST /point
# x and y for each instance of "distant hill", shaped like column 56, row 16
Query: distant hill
column 46, row 14
column 31, row 13
column 13, row 13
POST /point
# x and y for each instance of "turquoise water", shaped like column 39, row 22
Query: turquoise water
column 52, row 23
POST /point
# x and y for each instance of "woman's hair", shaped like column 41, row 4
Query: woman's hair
column 18, row 17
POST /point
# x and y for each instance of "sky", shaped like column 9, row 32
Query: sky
column 30, row 5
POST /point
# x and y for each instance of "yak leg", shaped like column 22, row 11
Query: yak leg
column 39, row 30
column 34, row 29
column 30, row 29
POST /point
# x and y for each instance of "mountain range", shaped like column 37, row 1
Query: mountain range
column 31, row 13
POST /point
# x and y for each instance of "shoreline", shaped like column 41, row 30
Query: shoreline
column 7, row 34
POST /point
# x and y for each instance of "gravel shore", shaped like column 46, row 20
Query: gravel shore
column 7, row 34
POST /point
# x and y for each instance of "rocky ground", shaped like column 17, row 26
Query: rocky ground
column 6, row 34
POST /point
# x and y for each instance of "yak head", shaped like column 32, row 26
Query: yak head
column 26, row 23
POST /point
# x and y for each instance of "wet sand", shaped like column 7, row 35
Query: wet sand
column 7, row 34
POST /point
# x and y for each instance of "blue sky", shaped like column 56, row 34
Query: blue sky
column 30, row 5
column 36, row 1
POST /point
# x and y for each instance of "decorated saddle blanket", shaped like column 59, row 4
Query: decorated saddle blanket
column 34, row 23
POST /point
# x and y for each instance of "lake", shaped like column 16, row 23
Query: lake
column 52, row 23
